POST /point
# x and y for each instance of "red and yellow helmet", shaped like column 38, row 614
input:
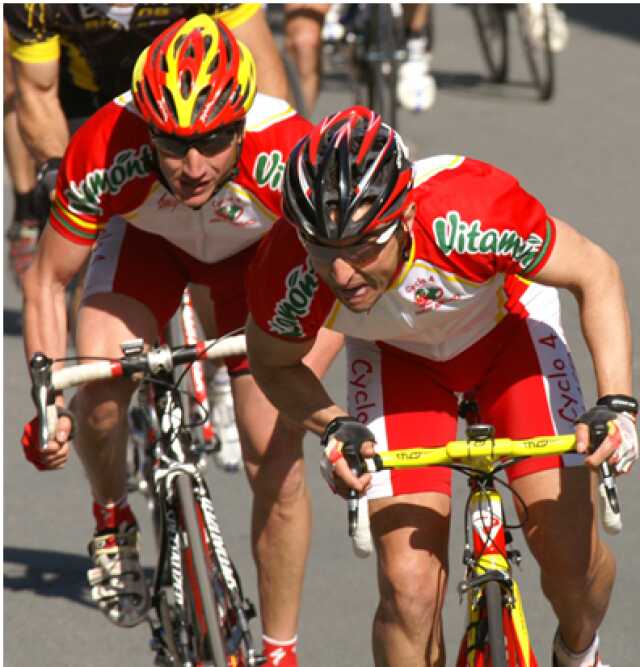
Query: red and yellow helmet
column 194, row 78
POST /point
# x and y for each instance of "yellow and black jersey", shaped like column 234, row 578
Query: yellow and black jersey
column 97, row 44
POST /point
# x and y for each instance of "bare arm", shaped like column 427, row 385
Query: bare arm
column 594, row 278
column 40, row 116
column 45, row 315
column 287, row 382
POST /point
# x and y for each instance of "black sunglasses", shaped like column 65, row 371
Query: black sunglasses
column 206, row 144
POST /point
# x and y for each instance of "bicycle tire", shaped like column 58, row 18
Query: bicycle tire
column 201, row 593
column 494, row 607
column 382, row 67
column 493, row 33
column 539, row 57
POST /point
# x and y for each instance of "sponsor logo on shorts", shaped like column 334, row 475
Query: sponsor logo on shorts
column 268, row 169
column 453, row 234
column 127, row 166
column 301, row 283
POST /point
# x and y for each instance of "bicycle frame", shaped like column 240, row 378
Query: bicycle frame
column 191, row 547
column 171, row 456
column 487, row 558
column 486, row 554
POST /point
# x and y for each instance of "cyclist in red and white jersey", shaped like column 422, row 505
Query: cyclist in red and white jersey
column 173, row 182
column 440, row 273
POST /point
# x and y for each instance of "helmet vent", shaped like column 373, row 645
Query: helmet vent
column 201, row 99
column 214, row 64
column 221, row 102
column 163, row 63
column 186, row 83
column 177, row 45
column 207, row 42
column 190, row 52
column 171, row 106
column 227, row 47
column 151, row 99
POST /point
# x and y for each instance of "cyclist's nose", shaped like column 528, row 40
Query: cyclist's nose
column 194, row 164
column 341, row 271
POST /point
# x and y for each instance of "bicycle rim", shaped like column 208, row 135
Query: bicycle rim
column 493, row 600
column 491, row 27
column 382, row 69
column 538, row 55
column 209, row 642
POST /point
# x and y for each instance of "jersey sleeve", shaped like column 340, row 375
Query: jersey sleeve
column 273, row 129
column 286, row 297
column 486, row 223
column 107, row 169
column 32, row 38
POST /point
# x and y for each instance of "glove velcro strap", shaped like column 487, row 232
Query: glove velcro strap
column 620, row 403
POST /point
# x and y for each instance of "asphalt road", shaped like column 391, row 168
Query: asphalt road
column 579, row 155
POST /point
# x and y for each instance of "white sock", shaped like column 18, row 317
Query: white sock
column 567, row 658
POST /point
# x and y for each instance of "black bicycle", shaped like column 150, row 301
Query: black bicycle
column 200, row 616
column 492, row 26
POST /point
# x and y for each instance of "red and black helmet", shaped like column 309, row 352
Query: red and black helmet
column 349, row 159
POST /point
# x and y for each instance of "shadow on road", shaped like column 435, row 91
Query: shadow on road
column 12, row 322
column 49, row 574
column 623, row 20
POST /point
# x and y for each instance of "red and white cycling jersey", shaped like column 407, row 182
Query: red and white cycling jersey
column 475, row 232
column 108, row 174
column 460, row 316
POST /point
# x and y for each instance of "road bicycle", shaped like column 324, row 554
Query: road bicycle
column 200, row 616
column 496, row 633
column 492, row 27
column 372, row 49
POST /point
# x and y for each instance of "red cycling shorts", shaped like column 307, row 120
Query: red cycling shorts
column 150, row 269
column 522, row 377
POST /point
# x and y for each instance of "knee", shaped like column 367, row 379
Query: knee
column 278, row 474
column 101, row 412
column 412, row 591
column 575, row 568
column 303, row 39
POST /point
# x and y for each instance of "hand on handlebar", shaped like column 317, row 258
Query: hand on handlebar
column 619, row 448
column 56, row 454
column 346, row 441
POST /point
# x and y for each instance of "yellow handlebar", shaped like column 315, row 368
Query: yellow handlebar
column 480, row 454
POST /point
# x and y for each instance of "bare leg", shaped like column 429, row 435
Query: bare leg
column 272, row 78
column 281, row 517
column 577, row 568
column 105, row 321
column 303, row 29
column 412, row 535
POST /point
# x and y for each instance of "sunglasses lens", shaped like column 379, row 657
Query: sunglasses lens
column 208, row 146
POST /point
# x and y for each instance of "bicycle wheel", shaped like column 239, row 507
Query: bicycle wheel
column 382, row 42
column 537, row 49
column 493, row 601
column 491, row 26
column 208, row 644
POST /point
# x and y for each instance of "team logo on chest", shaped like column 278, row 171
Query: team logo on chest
column 426, row 291
column 230, row 209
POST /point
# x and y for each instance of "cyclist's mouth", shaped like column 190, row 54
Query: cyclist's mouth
column 353, row 295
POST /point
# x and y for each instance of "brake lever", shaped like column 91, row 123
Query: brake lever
column 42, row 394
column 611, row 518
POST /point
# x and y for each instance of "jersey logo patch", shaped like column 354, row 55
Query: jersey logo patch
column 86, row 196
column 453, row 234
column 302, row 284
column 268, row 169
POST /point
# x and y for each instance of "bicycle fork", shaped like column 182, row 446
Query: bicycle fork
column 488, row 559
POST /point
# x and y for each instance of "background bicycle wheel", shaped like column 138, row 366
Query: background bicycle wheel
column 579, row 155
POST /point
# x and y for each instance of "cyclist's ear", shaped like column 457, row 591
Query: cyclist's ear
column 409, row 217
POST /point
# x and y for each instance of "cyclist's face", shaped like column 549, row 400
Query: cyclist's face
column 359, row 286
column 194, row 176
